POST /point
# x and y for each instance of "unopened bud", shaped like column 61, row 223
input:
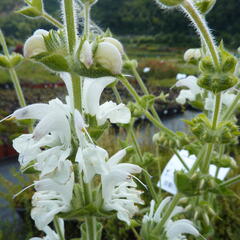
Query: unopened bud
column 116, row 43
column 196, row 214
column 188, row 207
column 206, row 219
column 35, row 44
column 192, row 55
column 109, row 57
column 86, row 54
column 204, row 6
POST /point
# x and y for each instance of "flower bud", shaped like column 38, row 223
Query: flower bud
column 170, row 3
column 86, row 54
column 192, row 55
column 35, row 44
column 116, row 43
column 109, row 57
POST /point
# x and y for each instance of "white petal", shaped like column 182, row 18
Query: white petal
column 86, row 54
column 177, row 228
column 92, row 90
column 115, row 113
column 34, row 111
column 116, row 43
column 117, row 157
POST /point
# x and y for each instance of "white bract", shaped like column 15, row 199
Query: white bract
column 188, row 94
column 92, row 90
column 35, row 44
column 174, row 230
column 109, row 57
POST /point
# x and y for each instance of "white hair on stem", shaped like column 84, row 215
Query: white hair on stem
column 193, row 23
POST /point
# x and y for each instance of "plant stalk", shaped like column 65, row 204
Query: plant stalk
column 58, row 229
column 69, row 23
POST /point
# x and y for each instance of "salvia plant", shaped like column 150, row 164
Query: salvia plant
column 78, row 180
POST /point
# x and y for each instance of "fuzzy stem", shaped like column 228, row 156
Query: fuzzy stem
column 230, row 181
column 181, row 159
column 69, row 22
column 86, row 30
column 202, row 28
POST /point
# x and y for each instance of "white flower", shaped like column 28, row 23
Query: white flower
column 174, row 230
column 50, row 234
column 192, row 54
column 86, row 54
column 190, row 94
column 54, row 194
column 109, row 57
column 92, row 90
column 118, row 189
column 91, row 161
column 35, row 44
column 180, row 76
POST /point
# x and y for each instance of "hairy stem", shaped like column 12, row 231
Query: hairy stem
column 52, row 20
column 86, row 29
column 69, row 23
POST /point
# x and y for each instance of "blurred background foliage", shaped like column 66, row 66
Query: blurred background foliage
column 135, row 17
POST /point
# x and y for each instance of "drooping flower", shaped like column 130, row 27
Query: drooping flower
column 188, row 94
column 50, row 234
column 173, row 230
column 92, row 90
column 35, row 44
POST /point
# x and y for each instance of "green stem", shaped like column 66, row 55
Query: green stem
column 13, row 73
column 77, row 91
column 201, row 26
column 232, row 108
column 138, row 237
column 58, row 229
column 69, row 22
column 143, row 87
column 216, row 111
column 86, row 30
column 52, row 20
column 117, row 95
column 181, row 160
column 207, row 158
column 230, row 181
column 137, row 98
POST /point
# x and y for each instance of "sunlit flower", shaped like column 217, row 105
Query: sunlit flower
column 174, row 230
column 92, row 90
column 35, row 44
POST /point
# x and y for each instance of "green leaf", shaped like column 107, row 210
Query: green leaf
column 30, row 12
column 37, row 4
column 55, row 62
column 15, row 59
